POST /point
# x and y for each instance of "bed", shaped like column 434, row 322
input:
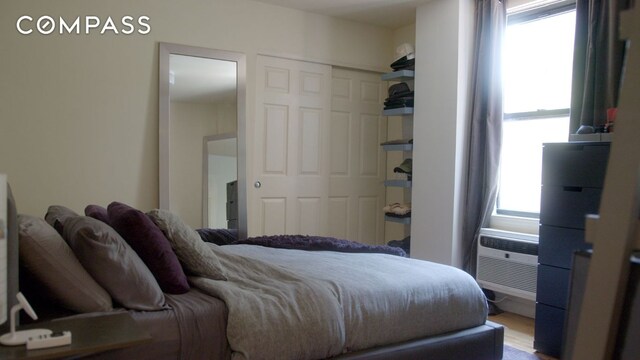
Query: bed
column 273, row 303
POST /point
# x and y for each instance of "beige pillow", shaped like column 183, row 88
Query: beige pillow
column 196, row 257
column 44, row 253
column 56, row 216
column 113, row 264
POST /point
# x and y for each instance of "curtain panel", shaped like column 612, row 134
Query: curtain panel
column 485, row 126
column 597, row 63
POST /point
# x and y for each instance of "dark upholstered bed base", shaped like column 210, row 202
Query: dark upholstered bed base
column 484, row 342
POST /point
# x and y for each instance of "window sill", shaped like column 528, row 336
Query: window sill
column 515, row 224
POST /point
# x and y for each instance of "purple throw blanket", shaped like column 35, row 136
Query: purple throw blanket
column 305, row 242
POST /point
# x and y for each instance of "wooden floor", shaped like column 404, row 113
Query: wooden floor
column 518, row 332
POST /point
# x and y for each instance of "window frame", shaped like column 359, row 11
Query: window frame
column 512, row 219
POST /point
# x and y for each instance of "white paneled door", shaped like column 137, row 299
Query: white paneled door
column 291, row 184
column 357, row 164
column 317, row 163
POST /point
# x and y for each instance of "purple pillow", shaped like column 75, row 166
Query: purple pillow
column 151, row 245
column 97, row 212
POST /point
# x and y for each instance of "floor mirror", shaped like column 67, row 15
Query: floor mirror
column 202, row 99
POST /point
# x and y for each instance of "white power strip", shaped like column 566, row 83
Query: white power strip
column 51, row 340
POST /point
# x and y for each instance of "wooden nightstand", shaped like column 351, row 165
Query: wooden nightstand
column 89, row 335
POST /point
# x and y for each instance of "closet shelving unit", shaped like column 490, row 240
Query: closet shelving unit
column 406, row 113
column 398, row 183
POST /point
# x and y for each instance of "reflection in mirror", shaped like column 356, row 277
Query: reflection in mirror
column 221, row 207
column 202, row 95
column 201, row 128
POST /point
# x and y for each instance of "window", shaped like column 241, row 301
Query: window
column 537, row 63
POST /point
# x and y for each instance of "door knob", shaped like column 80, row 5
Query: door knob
column 257, row 184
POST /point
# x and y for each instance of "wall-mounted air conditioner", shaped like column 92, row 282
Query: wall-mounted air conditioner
column 508, row 262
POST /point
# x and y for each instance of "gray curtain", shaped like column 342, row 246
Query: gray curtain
column 486, row 125
column 597, row 61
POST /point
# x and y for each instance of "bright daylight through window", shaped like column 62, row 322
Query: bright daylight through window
column 537, row 63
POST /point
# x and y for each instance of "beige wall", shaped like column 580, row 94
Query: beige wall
column 443, row 62
column 79, row 113
column 406, row 34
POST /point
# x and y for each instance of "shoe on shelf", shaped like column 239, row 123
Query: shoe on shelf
column 397, row 209
column 405, row 167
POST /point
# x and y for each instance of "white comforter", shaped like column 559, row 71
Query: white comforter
column 293, row 304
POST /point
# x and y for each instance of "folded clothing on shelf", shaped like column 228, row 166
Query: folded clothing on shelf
column 404, row 63
column 398, row 103
column 400, row 95
column 399, row 90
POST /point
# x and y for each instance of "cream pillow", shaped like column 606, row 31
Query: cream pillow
column 196, row 257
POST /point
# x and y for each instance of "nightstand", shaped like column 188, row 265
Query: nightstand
column 89, row 335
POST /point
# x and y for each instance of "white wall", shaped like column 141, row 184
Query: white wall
column 444, row 41
column 79, row 113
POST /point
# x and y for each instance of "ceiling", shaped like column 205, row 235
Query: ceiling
column 387, row 13
column 201, row 80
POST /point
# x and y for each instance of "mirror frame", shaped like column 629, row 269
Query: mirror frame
column 165, row 51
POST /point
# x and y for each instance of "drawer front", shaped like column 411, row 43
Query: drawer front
column 553, row 286
column 557, row 245
column 566, row 206
column 575, row 164
column 548, row 330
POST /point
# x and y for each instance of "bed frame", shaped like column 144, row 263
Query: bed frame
column 484, row 342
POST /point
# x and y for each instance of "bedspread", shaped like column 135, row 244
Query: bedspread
column 342, row 302
column 275, row 313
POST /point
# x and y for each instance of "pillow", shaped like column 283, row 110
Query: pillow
column 194, row 254
column 97, row 212
column 56, row 216
column 113, row 264
column 151, row 245
column 50, row 260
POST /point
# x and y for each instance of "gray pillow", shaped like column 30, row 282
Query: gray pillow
column 196, row 257
column 113, row 264
column 56, row 216
column 45, row 254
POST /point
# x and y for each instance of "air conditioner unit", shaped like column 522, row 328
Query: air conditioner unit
column 508, row 262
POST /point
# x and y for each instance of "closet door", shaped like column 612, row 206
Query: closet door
column 357, row 164
column 290, row 187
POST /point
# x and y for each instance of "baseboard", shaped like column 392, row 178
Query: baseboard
column 516, row 305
